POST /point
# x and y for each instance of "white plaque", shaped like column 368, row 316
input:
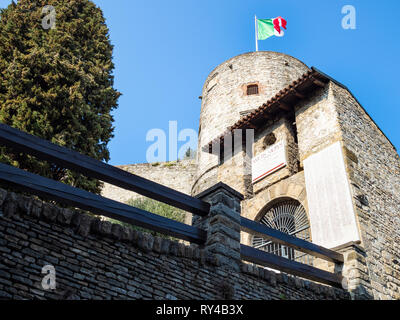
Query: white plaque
column 331, row 211
column 271, row 159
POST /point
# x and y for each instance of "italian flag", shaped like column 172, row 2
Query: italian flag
column 270, row 27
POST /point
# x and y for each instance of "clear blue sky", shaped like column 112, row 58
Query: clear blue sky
column 164, row 51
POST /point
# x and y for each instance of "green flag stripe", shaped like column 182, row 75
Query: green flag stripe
column 265, row 28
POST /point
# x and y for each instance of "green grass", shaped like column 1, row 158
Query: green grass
column 170, row 164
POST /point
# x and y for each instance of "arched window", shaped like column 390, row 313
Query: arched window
column 289, row 216
column 252, row 89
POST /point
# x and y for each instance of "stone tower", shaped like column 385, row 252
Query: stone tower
column 225, row 101
column 319, row 167
column 308, row 159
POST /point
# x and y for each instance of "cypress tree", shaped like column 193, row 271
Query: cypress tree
column 56, row 81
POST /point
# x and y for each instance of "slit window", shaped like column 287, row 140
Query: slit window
column 252, row 89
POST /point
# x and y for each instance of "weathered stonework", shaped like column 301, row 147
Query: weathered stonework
column 316, row 122
column 292, row 187
column 224, row 97
column 374, row 172
column 222, row 224
column 96, row 259
column 283, row 131
column 178, row 175
column 329, row 117
column 372, row 166
column 236, row 172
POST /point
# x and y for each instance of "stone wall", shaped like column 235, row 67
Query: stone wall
column 330, row 205
column 374, row 171
column 236, row 172
column 317, row 123
column 329, row 115
column 94, row 259
column 282, row 130
column 178, row 175
column 333, row 115
column 292, row 187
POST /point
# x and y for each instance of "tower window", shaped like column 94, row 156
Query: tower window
column 252, row 89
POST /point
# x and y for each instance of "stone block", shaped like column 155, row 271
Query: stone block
column 189, row 252
column 126, row 234
column 222, row 198
column 224, row 240
column 173, row 248
column 36, row 210
column 147, row 242
column 10, row 207
column 3, row 195
column 50, row 212
column 220, row 228
column 116, row 231
column 157, row 244
column 221, row 219
column 225, row 251
column 105, row 228
column 25, row 205
column 220, row 209
column 181, row 250
column 64, row 216
column 84, row 225
column 196, row 253
column 165, row 244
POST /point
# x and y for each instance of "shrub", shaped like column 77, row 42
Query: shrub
column 155, row 207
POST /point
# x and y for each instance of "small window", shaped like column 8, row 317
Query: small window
column 252, row 89
column 269, row 140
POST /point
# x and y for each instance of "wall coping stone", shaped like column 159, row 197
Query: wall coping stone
column 220, row 185
column 350, row 244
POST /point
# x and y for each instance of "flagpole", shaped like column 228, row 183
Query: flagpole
column 255, row 24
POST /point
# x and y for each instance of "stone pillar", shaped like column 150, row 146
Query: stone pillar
column 355, row 271
column 222, row 224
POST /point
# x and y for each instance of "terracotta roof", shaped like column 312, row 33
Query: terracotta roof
column 284, row 99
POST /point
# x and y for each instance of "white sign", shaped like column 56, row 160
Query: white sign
column 268, row 161
column 331, row 211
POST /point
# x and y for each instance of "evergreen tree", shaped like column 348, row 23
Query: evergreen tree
column 56, row 81
column 189, row 154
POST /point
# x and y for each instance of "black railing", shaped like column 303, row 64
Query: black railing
column 286, row 265
column 90, row 167
column 54, row 190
